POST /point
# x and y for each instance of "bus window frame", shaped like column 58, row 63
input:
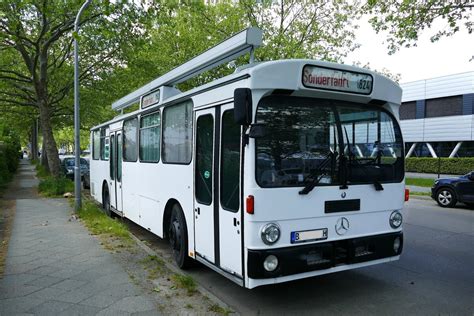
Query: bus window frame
column 165, row 107
column 221, row 166
column 93, row 145
column 137, row 118
column 396, row 123
column 112, row 157
column 104, row 139
column 212, row 115
column 158, row 111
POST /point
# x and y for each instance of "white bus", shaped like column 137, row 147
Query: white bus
column 283, row 170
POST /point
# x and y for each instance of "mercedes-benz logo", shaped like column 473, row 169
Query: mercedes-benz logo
column 342, row 226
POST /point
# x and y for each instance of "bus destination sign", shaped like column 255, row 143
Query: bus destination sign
column 338, row 80
column 150, row 99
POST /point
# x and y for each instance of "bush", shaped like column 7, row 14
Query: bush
column 53, row 187
column 41, row 171
column 444, row 165
column 5, row 174
column 9, row 155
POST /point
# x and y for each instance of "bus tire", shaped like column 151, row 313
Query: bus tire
column 106, row 201
column 178, row 237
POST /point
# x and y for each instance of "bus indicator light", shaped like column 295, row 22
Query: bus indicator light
column 250, row 204
column 407, row 195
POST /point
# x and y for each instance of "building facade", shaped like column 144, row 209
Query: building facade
column 437, row 116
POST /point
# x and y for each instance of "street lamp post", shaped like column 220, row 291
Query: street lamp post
column 77, row 143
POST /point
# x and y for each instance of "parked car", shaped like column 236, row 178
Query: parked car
column 447, row 192
column 68, row 163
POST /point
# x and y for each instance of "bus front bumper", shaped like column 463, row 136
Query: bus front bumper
column 325, row 255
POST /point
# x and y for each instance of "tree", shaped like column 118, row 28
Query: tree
column 292, row 29
column 404, row 20
column 36, row 47
column 304, row 29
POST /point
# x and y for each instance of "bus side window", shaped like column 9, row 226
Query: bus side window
column 230, row 162
column 130, row 135
column 178, row 133
column 96, row 144
column 204, row 155
column 104, row 145
column 119, row 157
column 112, row 158
column 150, row 130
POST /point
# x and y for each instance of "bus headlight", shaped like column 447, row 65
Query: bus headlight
column 270, row 263
column 396, row 219
column 270, row 233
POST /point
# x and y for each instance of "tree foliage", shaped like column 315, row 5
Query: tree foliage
column 36, row 43
column 292, row 29
column 304, row 29
column 404, row 20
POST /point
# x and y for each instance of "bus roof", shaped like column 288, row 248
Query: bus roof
column 287, row 75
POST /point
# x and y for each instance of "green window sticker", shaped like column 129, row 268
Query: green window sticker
column 207, row 174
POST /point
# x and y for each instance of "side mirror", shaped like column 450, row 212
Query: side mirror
column 257, row 131
column 243, row 106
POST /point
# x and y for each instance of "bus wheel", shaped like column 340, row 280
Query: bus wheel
column 106, row 202
column 178, row 237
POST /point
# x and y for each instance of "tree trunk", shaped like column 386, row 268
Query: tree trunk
column 49, row 143
column 34, row 140
column 44, row 159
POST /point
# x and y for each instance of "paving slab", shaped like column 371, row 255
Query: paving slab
column 55, row 267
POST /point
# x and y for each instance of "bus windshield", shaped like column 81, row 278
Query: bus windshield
column 335, row 142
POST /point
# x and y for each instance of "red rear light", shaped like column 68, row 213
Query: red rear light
column 250, row 204
column 407, row 195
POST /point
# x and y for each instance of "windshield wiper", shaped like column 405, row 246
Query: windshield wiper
column 310, row 186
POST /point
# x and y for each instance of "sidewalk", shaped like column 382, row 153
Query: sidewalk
column 55, row 267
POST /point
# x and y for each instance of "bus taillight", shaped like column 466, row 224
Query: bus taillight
column 250, row 204
column 407, row 195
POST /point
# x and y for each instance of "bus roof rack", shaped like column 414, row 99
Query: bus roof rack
column 230, row 49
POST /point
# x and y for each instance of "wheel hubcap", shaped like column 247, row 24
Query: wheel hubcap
column 445, row 197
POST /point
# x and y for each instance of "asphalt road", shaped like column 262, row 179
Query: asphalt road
column 434, row 276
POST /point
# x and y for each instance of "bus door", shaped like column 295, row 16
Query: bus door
column 204, row 180
column 230, row 227
column 116, row 171
column 217, row 211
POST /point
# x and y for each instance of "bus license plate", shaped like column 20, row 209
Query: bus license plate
column 309, row 235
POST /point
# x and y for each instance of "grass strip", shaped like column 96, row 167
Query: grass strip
column 219, row 310
column 100, row 224
column 50, row 186
column 420, row 193
column 185, row 282
column 420, row 182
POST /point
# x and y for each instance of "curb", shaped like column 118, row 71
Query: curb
column 175, row 269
